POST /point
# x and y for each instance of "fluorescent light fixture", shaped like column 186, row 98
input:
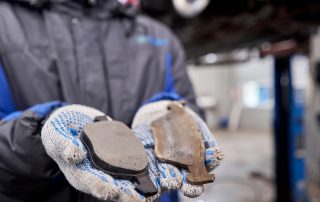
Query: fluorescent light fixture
column 210, row 58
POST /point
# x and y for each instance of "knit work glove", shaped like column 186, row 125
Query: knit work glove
column 170, row 176
column 60, row 137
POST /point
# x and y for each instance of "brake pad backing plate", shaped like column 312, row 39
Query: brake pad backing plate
column 178, row 141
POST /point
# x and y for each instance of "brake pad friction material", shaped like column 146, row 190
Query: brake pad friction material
column 115, row 150
column 178, row 141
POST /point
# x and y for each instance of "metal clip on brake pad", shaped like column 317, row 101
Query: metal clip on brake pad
column 178, row 141
column 115, row 150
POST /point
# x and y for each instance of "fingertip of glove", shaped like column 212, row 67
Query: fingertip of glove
column 152, row 198
column 214, row 156
column 191, row 191
column 129, row 194
column 170, row 177
column 104, row 192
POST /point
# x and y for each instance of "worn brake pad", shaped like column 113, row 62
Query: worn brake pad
column 178, row 141
column 114, row 149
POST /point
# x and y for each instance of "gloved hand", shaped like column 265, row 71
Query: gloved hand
column 170, row 176
column 60, row 137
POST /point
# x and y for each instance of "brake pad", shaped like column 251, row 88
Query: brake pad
column 115, row 150
column 178, row 141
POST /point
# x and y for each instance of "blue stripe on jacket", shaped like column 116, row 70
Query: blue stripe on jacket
column 7, row 105
column 169, row 91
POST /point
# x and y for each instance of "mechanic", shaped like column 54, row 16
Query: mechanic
column 97, row 53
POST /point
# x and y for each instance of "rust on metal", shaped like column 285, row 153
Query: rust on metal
column 178, row 141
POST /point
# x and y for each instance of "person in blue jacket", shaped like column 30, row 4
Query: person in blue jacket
column 97, row 53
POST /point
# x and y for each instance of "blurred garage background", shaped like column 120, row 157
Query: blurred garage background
column 255, row 66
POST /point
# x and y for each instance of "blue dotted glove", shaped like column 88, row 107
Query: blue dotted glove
column 171, row 177
column 60, row 137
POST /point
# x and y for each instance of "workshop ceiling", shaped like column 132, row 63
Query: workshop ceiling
column 226, row 25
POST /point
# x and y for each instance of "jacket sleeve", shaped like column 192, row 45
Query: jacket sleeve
column 182, row 81
column 25, row 168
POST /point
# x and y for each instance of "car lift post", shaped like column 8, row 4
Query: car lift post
column 290, row 177
column 283, row 96
column 288, row 128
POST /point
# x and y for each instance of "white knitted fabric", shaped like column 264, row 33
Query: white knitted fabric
column 60, row 137
column 150, row 112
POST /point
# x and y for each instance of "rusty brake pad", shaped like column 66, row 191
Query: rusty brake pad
column 178, row 141
column 114, row 149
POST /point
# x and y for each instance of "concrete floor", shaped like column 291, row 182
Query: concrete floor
column 246, row 174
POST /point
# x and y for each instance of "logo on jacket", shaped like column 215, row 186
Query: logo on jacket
column 143, row 39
